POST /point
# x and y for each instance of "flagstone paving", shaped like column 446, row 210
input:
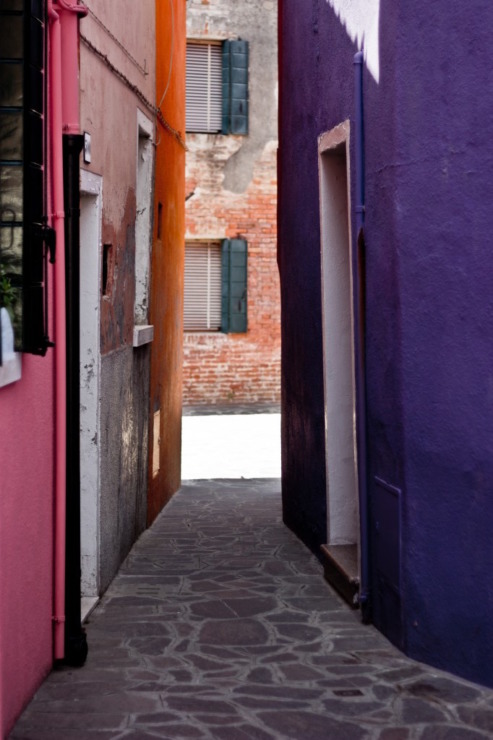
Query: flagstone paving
column 220, row 626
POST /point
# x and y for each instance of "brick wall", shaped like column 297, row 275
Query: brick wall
column 231, row 192
column 237, row 367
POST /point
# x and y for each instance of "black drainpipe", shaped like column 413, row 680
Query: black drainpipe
column 75, row 637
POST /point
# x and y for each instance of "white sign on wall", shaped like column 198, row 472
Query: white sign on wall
column 10, row 369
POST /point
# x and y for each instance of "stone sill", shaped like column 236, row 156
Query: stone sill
column 143, row 334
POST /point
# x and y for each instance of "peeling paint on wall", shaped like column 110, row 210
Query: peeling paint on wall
column 117, row 305
column 231, row 182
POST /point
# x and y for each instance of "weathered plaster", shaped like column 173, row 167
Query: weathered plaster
column 213, row 210
column 129, row 46
column 123, row 447
column 90, row 395
column 143, row 220
column 113, row 114
column 117, row 305
column 231, row 192
column 255, row 22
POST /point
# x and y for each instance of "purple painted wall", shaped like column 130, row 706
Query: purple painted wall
column 429, row 348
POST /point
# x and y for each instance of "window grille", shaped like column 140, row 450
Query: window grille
column 25, row 239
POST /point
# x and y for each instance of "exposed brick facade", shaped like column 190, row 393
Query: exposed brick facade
column 231, row 190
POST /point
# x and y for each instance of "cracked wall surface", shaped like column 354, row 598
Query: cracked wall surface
column 117, row 58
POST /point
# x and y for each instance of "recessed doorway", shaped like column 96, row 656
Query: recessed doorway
column 342, row 549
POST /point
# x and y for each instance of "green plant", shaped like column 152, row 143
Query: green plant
column 7, row 291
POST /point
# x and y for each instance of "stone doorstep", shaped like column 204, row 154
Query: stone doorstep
column 341, row 571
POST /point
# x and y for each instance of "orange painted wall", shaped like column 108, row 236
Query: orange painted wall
column 167, row 258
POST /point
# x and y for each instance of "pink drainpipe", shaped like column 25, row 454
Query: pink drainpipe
column 63, row 115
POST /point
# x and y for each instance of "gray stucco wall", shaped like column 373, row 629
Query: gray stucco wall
column 124, row 445
column 255, row 22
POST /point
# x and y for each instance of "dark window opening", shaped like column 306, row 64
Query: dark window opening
column 105, row 268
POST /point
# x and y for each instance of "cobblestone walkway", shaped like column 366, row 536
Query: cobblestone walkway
column 221, row 626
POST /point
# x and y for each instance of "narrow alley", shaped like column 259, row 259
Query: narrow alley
column 220, row 625
column 279, row 209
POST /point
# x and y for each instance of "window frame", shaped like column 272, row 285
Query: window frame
column 209, row 311
column 28, row 278
column 232, row 300
column 203, row 120
column 230, row 92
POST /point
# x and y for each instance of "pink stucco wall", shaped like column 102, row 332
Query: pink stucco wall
column 26, row 535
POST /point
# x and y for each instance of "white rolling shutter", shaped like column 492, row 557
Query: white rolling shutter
column 204, row 87
column 202, row 301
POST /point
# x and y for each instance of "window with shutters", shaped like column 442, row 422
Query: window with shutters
column 202, row 301
column 217, row 87
column 215, row 296
column 204, row 87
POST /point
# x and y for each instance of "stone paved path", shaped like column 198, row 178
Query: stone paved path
column 221, row 626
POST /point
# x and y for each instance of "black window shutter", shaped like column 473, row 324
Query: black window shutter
column 36, row 234
column 235, row 87
column 234, row 286
column 24, row 237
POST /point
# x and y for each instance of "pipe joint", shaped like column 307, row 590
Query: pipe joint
column 52, row 14
column 79, row 9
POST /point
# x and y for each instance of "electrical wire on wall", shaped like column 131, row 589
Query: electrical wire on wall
column 171, row 53
column 128, row 83
column 158, row 135
column 105, row 28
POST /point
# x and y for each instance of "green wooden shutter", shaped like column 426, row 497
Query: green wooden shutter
column 234, row 286
column 235, row 87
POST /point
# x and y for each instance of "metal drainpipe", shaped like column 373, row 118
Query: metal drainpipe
column 57, row 75
column 75, row 639
column 58, row 216
column 75, row 636
column 359, row 330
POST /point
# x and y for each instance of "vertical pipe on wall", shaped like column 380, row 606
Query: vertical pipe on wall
column 75, row 640
column 58, row 218
column 75, row 636
column 63, row 80
column 69, row 16
column 359, row 330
